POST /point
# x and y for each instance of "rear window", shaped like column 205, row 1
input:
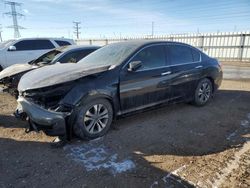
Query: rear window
column 196, row 55
column 179, row 54
column 62, row 43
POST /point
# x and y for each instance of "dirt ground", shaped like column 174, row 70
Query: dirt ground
column 174, row 146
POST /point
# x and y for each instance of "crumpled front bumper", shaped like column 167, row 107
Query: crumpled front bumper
column 51, row 122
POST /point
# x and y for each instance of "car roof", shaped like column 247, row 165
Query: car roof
column 39, row 38
column 148, row 42
column 76, row 47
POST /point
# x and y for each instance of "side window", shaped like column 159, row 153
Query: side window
column 24, row 45
column 62, row 43
column 43, row 44
column 84, row 53
column 74, row 57
column 179, row 54
column 33, row 45
column 196, row 55
column 151, row 57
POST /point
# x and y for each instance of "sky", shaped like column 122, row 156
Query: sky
column 126, row 18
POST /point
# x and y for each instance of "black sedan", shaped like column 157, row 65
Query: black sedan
column 67, row 54
column 117, row 79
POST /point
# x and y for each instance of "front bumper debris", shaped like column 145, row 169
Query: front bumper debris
column 51, row 122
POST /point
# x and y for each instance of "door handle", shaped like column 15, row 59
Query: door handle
column 198, row 67
column 166, row 73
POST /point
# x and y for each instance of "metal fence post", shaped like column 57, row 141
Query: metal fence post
column 201, row 46
column 242, row 44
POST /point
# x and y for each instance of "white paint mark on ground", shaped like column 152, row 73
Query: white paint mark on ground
column 175, row 172
column 154, row 184
column 232, row 135
column 94, row 156
column 234, row 164
column 235, row 98
column 248, row 116
column 173, row 176
column 245, row 123
column 197, row 133
column 231, row 166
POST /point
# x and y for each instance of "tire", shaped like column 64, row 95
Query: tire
column 93, row 119
column 203, row 92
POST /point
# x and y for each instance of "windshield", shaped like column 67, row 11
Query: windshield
column 6, row 43
column 113, row 54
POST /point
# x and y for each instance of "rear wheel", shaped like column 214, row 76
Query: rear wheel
column 203, row 92
column 93, row 119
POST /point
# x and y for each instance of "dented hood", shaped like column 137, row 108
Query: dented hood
column 16, row 69
column 57, row 74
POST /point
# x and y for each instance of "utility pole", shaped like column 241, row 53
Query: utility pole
column 77, row 28
column 14, row 14
column 1, row 39
column 153, row 25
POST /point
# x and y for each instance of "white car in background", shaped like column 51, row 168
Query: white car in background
column 25, row 50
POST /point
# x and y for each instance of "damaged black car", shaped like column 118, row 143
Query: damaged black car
column 84, row 98
column 10, row 76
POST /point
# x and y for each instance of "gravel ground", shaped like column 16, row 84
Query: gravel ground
column 174, row 146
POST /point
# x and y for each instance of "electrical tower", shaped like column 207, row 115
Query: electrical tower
column 14, row 14
column 77, row 28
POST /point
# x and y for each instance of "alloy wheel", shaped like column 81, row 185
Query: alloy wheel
column 96, row 118
column 204, row 92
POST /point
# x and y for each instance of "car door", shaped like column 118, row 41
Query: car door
column 149, row 84
column 27, row 50
column 186, row 69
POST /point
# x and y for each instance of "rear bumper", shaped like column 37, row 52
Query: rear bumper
column 218, row 81
column 52, row 123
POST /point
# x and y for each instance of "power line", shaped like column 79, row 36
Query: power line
column 1, row 39
column 14, row 14
column 152, row 33
column 77, row 28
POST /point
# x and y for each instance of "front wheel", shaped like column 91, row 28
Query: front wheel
column 93, row 119
column 203, row 92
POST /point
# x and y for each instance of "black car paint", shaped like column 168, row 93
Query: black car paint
column 136, row 90
column 130, row 91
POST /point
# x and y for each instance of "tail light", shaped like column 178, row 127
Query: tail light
column 219, row 63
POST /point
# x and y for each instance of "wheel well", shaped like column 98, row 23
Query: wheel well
column 110, row 101
column 212, row 81
column 112, row 104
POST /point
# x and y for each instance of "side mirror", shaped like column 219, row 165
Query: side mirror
column 134, row 65
column 12, row 48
